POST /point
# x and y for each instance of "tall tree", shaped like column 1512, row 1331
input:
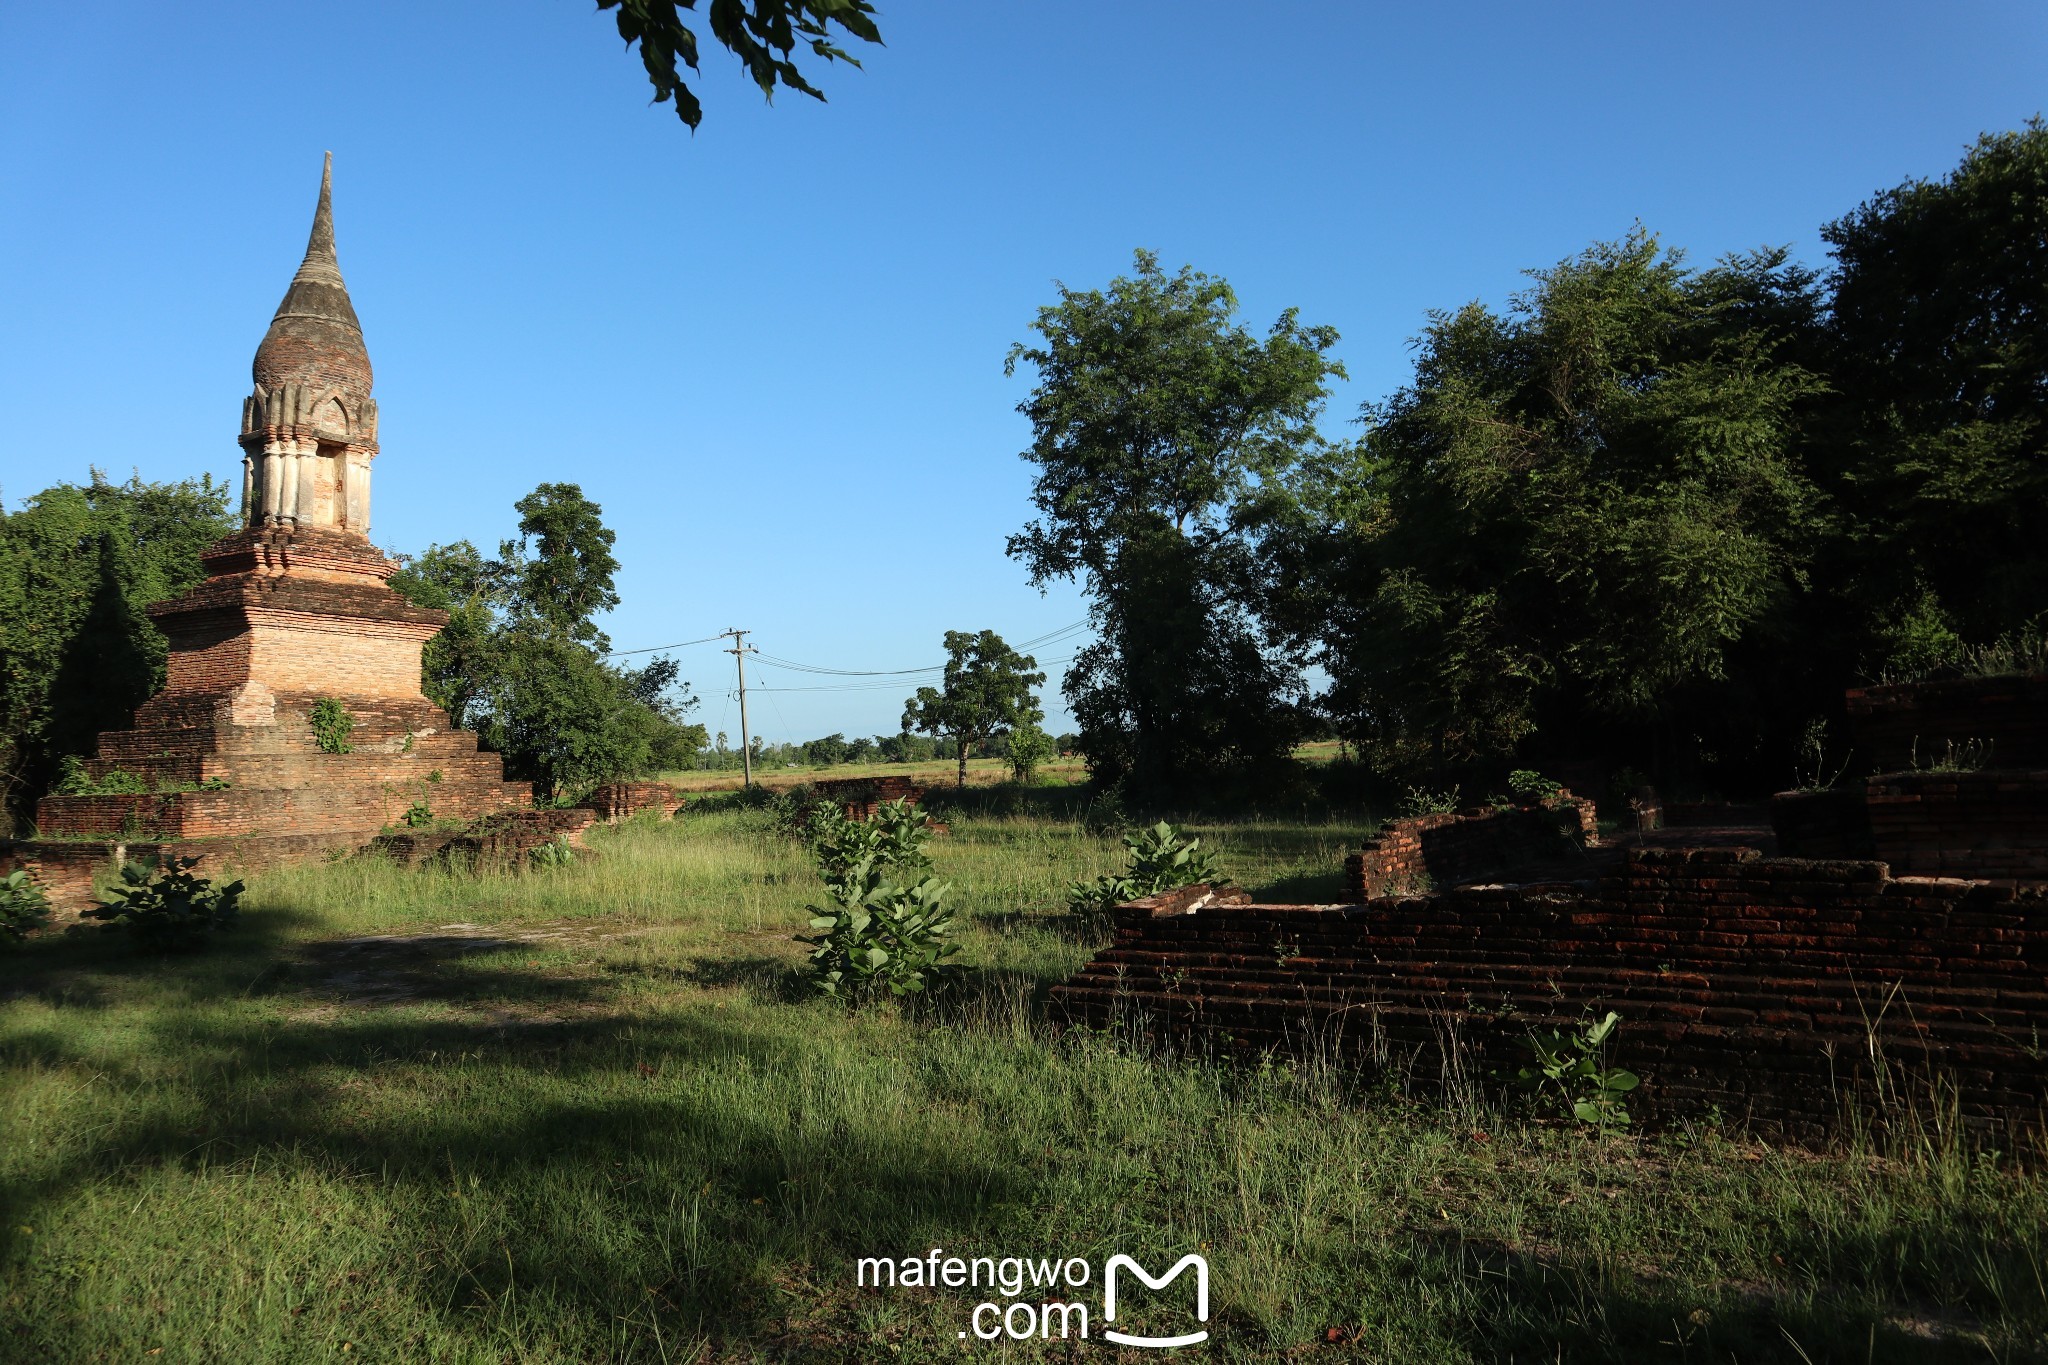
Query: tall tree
column 560, row 570
column 1156, row 418
column 1576, row 518
column 988, row 689
column 1940, row 325
column 521, row 659
column 763, row 34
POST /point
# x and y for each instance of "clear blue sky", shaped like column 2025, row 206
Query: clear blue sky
column 773, row 351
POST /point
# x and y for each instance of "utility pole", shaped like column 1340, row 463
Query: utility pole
column 739, row 651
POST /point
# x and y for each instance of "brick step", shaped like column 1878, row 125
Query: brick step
column 304, row 809
column 284, row 771
column 126, row 748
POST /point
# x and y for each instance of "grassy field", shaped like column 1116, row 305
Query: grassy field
column 939, row 772
column 590, row 1114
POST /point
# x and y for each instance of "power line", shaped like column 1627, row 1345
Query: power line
column 882, row 686
column 791, row 664
column 655, row 649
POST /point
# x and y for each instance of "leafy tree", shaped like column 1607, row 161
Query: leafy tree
column 457, row 663
column 567, row 579
column 78, row 556
column 1940, row 352
column 1028, row 747
column 1156, row 418
column 520, row 660
column 1580, row 515
column 763, row 34
column 987, row 690
column 823, row 753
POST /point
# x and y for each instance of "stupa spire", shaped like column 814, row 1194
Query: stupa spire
column 309, row 429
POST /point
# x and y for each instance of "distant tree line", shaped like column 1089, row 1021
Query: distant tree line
column 1649, row 514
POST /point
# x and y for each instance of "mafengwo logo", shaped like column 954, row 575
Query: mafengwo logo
column 1034, row 1288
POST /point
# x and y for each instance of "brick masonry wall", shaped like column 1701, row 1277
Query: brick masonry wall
column 1445, row 850
column 858, row 796
column 1759, row 986
column 1991, row 824
column 1983, row 824
column 1898, row 727
column 1823, row 824
column 617, row 800
column 502, row 840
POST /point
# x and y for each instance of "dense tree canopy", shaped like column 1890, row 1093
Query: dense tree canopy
column 78, row 566
column 1578, row 510
column 1940, row 354
column 521, row 662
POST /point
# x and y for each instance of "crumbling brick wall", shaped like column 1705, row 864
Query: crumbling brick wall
column 858, row 796
column 615, row 801
column 1901, row 726
column 1446, row 850
column 1758, row 986
column 1990, row 824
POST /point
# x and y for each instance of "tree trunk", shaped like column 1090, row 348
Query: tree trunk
column 962, row 741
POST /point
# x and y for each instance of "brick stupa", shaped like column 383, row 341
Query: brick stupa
column 295, row 610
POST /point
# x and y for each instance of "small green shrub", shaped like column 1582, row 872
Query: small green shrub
column 215, row 784
column 1571, row 1067
column 557, row 853
column 1530, row 785
column 418, row 815
column 887, row 927
column 167, row 908
column 1423, row 802
column 893, row 838
column 876, row 936
column 1156, row 859
column 23, row 908
column 332, row 724
column 74, row 780
column 1027, row 747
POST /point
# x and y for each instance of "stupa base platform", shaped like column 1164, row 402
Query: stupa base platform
column 74, row 872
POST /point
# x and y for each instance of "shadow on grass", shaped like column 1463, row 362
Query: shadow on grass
column 764, row 977
column 712, row 1139
column 1585, row 1307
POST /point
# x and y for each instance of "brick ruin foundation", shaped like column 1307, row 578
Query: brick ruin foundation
column 858, row 796
column 1427, row 851
column 1899, row 963
column 295, row 610
column 1761, row 986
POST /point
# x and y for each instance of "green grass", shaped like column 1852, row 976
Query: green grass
column 625, row 1133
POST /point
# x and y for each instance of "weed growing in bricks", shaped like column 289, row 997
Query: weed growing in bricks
column 1423, row 802
column 23, row 908
column 1571, row 1067
column 1530, row 785
column 1972, row 755
column 167, row 908
column 1157, row 859
column 332, row 723
column 74, row 780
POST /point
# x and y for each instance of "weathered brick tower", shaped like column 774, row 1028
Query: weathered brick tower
column 295, row 610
